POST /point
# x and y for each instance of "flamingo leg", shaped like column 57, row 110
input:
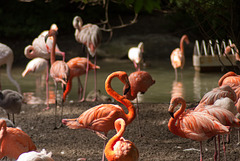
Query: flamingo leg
column 201, row 156
column 13, row 119
column 95, row 79
column 135, row 65
column 139, row 128
column 224, row 148
column 218, row 147
column 215, row 145
column 104, row 144
column 80, row 88
column 55, row 113
column 86, row 77
column 47, row 90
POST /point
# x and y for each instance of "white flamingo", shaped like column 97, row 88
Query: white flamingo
column 36, row 156
column 135, row 55
column 90, row 35
column 7, row 57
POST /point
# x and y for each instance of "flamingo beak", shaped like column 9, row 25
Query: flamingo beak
column 126, row 90
column 172, row 114
column 46, row 37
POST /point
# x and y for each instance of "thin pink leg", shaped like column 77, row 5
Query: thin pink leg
column 47, row 93
column 80, row 89
column 224, row 148
column 85, row 83
column 201, row 157
column 95, row 79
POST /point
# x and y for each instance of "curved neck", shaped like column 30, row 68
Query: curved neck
column 184, row 37
column 3, row 130
column 120, row 127
column 9, row 68
column 29, row 52
column 68, row 88
column 225, row 76
column 131, row 110
column 53, row 56
column 173, row 127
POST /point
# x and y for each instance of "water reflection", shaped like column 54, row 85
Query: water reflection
column 197, row 86
column 177, row 89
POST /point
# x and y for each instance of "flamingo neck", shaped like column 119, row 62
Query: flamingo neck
column 181, row 44
column 53, row 54
column 68, row 88
column 131, row 109
column 172, row 125
column 120, row 128
column 3, row 132
column 220, row 82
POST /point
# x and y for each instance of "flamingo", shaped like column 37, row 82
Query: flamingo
column 219, row 111
column 14, row 141
column 177, row 56
column 78, row 67
column 59, row 70
column 230, row 78
column 119, row 149
column 90, row 35
column 36, row 156
column 42, row 48
column 101, row 118
column 11, row 102
column 36, row 65
column 193, row 125
column 135, row 55
column 139, row 81
column 6, row 57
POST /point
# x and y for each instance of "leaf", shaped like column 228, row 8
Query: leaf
column 138, row 5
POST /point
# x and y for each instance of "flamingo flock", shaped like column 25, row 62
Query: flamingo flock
column 214, row 116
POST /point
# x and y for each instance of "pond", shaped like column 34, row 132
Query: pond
column 192, row 85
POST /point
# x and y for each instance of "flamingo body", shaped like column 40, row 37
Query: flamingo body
column 36, row 65
column 35, row 156
column 14, row 142
column 230, row 78
column 6, row 57
column 135, row 55
column 119, row 149
column 59, row 71
column 77, row 67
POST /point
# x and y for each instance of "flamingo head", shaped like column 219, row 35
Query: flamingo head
column 173, row 103
column 52, row 32
column 77, row 22
column 141, row 46
column 186, row 39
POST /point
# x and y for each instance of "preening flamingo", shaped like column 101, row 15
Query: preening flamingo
column 6, row 57
column 36, row 156
column 42, row 48
column 177, row 56
column 119, row 149
column 135, row 55
column 37, row 65
column 59, row 70
column 139, row 81
column 77, row 67
column 193, row 125
column 230, row 78
column 101, row 118
column 11, row 102
column 14, row 142
column 90, row 35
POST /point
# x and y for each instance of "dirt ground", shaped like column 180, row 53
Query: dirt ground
column 157, row 142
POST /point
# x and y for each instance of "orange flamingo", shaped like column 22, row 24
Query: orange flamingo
column 14, row 141
column 42, row 47
column 90, row 35
column 230, row 78
column 101, row 118
column 197, row 126
column 59, row 70
column 139, row 81
column 6, row 57
column 177, row 56
column 135, row 55
column 119, row 149
column 78, row 67
column 11, row 102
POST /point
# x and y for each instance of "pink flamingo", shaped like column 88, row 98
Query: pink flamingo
column 135, row 55
column 177, row 56
column 194, row 125
column 78, row 67
column 41, row 48
column 89, row 35
column 59, row 70
column 6, row 57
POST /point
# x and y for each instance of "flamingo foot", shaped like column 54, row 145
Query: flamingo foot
column 59, row 126
column 82, row 100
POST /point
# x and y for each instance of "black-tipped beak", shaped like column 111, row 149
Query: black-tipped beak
column 172, row 114
column 126, row 90
column 46, row 37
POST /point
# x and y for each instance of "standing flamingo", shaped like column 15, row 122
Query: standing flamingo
column 78, row 67
column 119, row 149
column 177, row 55
column 101, row 118
column 139, row 81
column 135, row 55
column 36, row 156
column 14, row 142
column 42, row 48
column 36, row 65
column 11, row 102
column 59, row 70
column 6, row 57
column 197, row 126
column 90, row 35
